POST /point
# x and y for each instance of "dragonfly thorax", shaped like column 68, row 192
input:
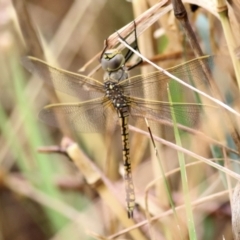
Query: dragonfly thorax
column 114, row 93
column 116, row 76
column 112, row 60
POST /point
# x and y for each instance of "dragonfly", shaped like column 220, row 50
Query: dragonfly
column 117, row 100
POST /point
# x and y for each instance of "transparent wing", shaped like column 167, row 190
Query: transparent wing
column 91, row 116
column 157, row 81
column 186, row 114
column 77, row 85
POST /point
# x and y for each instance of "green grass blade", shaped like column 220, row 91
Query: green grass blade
column 189, row 212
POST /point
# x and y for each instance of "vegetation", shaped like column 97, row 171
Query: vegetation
column 59, row 184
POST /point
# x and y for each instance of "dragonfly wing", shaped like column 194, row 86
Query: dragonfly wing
column 157, row 82
column 90, row 116
column 77, row 85
column 186, row 114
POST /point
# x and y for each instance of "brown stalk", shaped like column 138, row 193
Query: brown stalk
column 35, row 49
column 181, row 15
column 28, row 32
column 191, row 131
column 170, row 212
column 143, row 22
column 236, row 212
column 95, row 179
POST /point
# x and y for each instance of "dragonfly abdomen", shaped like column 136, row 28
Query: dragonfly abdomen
column 129, row 187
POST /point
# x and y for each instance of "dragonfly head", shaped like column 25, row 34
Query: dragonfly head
column 112, row 60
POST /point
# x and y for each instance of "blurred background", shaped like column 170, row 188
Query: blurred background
column 44, row 195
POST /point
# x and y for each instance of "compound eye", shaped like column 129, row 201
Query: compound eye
column 112, row 62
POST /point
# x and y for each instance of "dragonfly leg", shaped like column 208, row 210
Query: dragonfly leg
column 136, row 64
column 104, row 49
column 129, row 52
